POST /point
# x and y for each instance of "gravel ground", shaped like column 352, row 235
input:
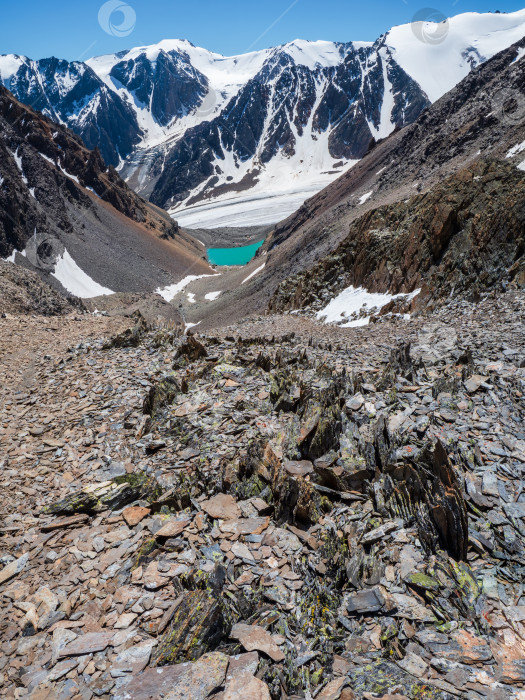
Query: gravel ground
column 279, row 509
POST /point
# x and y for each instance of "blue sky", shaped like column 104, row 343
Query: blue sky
column 71, row 30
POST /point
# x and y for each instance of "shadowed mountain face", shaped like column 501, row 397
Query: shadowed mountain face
column 57, row 197
column 71, row 93
column 170, row 87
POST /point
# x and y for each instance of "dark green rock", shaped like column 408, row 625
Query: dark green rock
column 197, row 626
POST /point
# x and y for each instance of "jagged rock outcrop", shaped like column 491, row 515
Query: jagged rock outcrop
column 24, row 292
column 463, row 236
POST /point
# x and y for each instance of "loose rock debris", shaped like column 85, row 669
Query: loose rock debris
column 278, row 511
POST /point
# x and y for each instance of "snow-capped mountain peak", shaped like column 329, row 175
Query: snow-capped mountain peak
column 313, row 54
column 195, row 130
column 439, row 56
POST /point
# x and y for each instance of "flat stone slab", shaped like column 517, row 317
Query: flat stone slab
column 134, row 514
column 243, row 686
column 299, row 468
column 151, row 684
column 201, row 679
column 88, row 643
column 254, row 638
column 365, row 601
column 178, row 682
column 173, row 527
column 245, row 526
column 14, row 568
column 222, row 506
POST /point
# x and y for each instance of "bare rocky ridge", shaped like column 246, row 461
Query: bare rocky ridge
column 282, row 509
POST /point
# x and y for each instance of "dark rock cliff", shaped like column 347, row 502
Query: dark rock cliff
column 466, row 235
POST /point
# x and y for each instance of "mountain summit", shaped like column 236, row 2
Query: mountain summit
column 245, row 139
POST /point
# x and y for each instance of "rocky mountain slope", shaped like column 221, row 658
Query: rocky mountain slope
column 482, row 119
column 462, row 237
column 245, row 139
column 23, row 292
column 483, row 116
column 280, row 510
column 67, row 215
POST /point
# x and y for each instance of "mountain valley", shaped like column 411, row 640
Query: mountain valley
column 297, row 478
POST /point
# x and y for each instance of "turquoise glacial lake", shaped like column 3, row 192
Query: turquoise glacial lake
column 233, row 256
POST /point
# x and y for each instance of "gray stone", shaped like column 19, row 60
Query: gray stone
column 366, row 601
column 14, row 568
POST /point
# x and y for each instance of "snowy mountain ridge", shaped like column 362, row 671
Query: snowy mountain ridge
column 208, row 136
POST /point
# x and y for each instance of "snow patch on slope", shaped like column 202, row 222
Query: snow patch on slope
column 18, row 161
column 9, row 66
column 366, row 197
column 521, row 53
column 354, row 299
column 49, row 160
column 72, row 177
column 255, row 272
column 11, row 258
column 75, row 280
column 314, row 53
column 518, row 148
column 170, row 292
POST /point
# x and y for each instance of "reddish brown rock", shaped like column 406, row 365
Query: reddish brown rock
column 244, row 685
column 332, row 691
column 134, row 514
column 509, row 652
column 173, row 527
column 88, row 644
column 254, row 638
column 222, row 506
column 62, row 523
column 201, row 679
